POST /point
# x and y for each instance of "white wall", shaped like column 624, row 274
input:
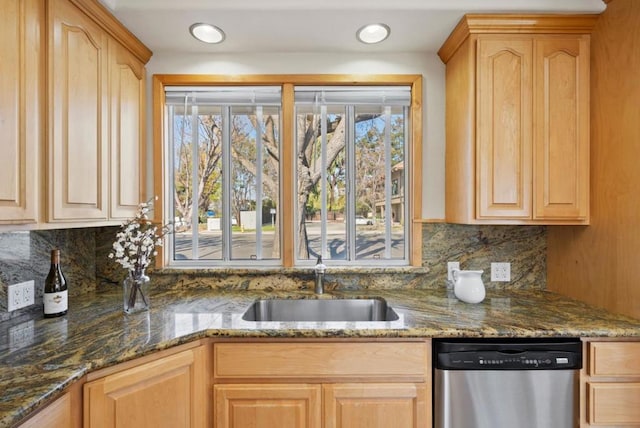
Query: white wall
column 429, row 65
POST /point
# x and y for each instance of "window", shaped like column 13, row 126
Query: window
column 278, row 170
column 350, row 140
column 224, row 163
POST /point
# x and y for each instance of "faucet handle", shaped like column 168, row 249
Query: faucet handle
column 320, row 267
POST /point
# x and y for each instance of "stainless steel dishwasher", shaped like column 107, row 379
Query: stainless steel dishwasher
column 506, row 383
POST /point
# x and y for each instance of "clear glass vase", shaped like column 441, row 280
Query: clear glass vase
column 136, row 292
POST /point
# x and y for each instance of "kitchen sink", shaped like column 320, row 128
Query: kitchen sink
column 320, row 310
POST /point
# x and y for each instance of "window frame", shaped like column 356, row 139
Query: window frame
column 226, row 111
column 288, row 145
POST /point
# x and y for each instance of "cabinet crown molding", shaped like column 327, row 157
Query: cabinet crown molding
column 514, row 24
column 111, row 25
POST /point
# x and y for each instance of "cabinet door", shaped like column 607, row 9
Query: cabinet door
column 504, row 116
column 375, row 406
column 561, row 133
column 21, row 86
column 127, row 89
column 267, row 406
column 55, row 415
column 78, row 109
column 167, row 393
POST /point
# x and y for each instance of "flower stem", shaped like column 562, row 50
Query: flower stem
column 133, row 294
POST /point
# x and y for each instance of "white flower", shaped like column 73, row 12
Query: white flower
column 135, row 243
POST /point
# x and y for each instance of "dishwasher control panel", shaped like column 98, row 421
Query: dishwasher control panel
column 491, row 360
column 507, row 355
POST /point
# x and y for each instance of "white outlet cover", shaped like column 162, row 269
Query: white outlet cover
column 500, row 272
column 20, row 295
column 28, row 293
column 14, row 297
column 451, row 266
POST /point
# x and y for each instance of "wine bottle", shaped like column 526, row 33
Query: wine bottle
column 55, row 289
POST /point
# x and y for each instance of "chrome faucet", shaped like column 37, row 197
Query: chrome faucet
column 319, row 269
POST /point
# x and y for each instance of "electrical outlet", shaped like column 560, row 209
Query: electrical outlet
column 500, row 272
column 28, row 293
column 451, row 266
column 20, row 295
column 14, row 296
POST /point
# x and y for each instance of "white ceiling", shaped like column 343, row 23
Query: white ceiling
column 314, row 26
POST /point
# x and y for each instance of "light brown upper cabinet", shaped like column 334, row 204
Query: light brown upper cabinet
column 96, row 115
column 21, row 100
column 127, row 90
column 71, row 115
column 78, row 116
column 517, row 119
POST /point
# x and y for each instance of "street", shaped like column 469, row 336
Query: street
column 369, row 243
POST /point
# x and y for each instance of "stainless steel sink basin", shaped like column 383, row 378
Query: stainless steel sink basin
column 320, row 310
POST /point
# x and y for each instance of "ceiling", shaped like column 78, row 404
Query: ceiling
column 314, row 26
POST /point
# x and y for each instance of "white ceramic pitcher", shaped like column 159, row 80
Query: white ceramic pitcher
column 468, row 285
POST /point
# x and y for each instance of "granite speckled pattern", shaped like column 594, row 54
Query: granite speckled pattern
column 26, row 256
column 475, row 247
column 39, row 358
column 292, row 278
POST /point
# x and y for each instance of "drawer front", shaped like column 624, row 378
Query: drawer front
column 614, row 358
column 614, row 404
column 387, row 361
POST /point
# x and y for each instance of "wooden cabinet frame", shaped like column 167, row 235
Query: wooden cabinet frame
column 610, row 383
column 363, row 383
column 21, row 109
column 610, row 367
column 517, row 89
column 170, row 389
column 78, row 116
column 59, row 169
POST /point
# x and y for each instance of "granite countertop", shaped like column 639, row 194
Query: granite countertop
column 41, row 357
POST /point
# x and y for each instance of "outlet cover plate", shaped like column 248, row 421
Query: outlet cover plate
column 451, row 266
column 20, row 295
column 500, row 272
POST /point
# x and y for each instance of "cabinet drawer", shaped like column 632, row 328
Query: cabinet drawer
column 614, row 358
column 614, row 403
column 382, row 361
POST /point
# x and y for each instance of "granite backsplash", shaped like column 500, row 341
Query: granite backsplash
column 25, row 256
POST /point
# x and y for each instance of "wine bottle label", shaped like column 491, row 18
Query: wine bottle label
column 54, row 303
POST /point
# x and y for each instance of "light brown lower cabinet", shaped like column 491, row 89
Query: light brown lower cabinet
column 55, row 415
column 375, row 405
column 611, row 384
column 166, row 392
column 307, row 384
column 63, row 412
column 268, row 406
column 354, row 405
column 341, row 384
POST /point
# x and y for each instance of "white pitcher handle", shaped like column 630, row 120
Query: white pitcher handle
column 454, row 274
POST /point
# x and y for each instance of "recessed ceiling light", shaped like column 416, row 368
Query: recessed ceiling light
column 207, row 33
column 373, row 33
